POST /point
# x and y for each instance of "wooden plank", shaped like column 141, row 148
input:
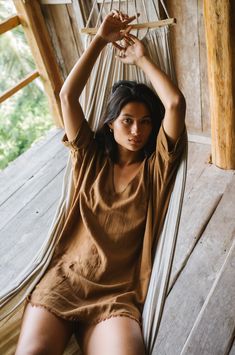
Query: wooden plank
column 22, row 237
column 185, row 46
column 24, row 82
column 9, row 24
column 219, row 16
column 32, row 187
column 13, row 177
column 205, row 195
column 204, row 89
column 232, row 350
column 198, row 155
column 188, row 295
column 195, row 138
column 214, row 328
column 37, row 36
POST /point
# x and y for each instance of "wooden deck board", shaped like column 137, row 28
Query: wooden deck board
column 200, row 202
column 32, row 187
column 232, row 350
column 214, row 328
column 24, row 235
column 194, row 283
column 24, row 168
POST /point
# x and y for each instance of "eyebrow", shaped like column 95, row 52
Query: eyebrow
column 129, row 115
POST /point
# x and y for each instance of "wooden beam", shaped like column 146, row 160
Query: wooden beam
column 37, row 36
column 154, row 24
column 9, row 24
column 219, row 17
column 29, row 78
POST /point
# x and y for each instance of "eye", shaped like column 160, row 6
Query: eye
column 127, row 120
column 146, row 120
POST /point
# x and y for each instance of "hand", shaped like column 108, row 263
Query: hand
column 132, row 51
column 114, row 26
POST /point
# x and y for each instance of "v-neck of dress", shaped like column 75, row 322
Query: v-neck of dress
column 128, row 184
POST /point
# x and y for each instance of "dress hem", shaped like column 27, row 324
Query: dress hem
column 76, row 319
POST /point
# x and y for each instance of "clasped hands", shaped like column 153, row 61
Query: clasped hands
column 116, row 27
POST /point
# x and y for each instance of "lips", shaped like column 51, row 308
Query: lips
column 135, row 141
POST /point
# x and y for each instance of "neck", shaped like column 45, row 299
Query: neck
column 125, row 158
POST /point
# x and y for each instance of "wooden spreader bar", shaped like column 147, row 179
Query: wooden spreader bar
column 154, row 24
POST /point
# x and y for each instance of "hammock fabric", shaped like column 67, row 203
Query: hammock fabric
column 93, row 100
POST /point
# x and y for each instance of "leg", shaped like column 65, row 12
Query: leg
column 116, row 336
column 42, row 333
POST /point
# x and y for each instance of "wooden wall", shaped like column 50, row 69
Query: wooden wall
column 188, row 43
column 189, row 48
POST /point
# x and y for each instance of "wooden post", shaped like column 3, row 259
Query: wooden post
column 32, row 20
column 219, row 17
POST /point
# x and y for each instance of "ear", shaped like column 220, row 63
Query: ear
column 110, row 124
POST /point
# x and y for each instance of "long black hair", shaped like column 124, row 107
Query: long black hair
column 122, row 93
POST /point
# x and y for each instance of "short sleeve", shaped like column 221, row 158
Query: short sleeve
column 82, row 140
column 163, row 149
column 79, row 147
column 164, row 165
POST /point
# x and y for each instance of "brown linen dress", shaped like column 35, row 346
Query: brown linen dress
column 102, row 262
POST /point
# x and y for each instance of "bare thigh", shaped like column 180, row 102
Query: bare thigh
column 42, row 332
column 116, row 336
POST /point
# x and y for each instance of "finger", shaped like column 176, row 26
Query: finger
column 118, row 46
column 120, row 57
column 131, row 18
column 132, row 37
column 127, row 30
column 115, row 13
column 128, row 41
column 128, row 38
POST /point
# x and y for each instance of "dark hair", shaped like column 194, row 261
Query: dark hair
column 122, row 93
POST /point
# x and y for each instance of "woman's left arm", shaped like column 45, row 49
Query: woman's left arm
column 170, row 95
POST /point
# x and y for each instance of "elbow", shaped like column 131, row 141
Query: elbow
column 63, row 94
column 178, row 103
column 66, row 98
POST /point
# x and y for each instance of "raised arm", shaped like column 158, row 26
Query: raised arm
column 112, row 29
column 170, row 95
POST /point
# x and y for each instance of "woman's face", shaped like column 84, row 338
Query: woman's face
column 133, row 126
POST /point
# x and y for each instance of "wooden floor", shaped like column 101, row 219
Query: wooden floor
column 199, row 314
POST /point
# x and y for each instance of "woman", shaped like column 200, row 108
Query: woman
column 98, row 278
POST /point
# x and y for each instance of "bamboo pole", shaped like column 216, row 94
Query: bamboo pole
column 154, row 24
column 9, row 24
column 219, row 17
column 28, row 79
column 37, row 36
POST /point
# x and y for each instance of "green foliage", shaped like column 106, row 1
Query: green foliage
column 25, row 116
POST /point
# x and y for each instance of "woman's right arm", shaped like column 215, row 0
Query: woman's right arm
column 111, row 30
column 74, row 85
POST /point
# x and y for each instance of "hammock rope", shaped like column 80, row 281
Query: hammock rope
column 125, row 6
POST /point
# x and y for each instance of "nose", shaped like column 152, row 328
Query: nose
column 135, row 129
